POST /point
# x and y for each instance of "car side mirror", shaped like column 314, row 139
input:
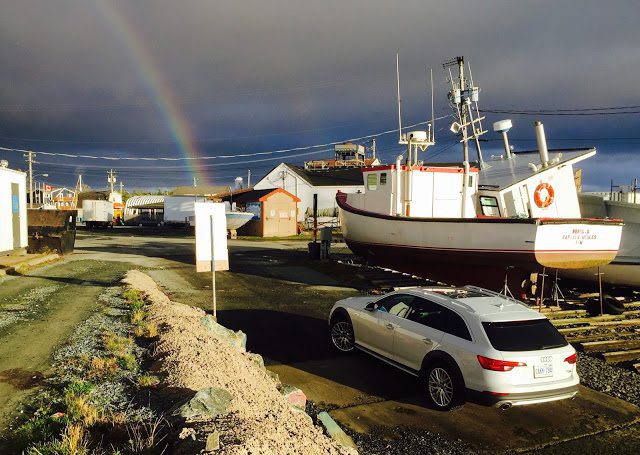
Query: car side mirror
column 371, row 306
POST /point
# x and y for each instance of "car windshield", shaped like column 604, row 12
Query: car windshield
column 533, row 335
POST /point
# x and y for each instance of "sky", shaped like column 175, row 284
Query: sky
column 217, row 86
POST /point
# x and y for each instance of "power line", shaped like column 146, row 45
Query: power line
column 238, row 155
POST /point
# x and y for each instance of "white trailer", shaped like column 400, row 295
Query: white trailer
column 97, row 213
column 181, row 209
column 13, row 209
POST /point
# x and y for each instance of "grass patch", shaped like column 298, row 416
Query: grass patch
column 78, row 402
column 150, row 330
column 128, row 362
column 116, row 344
column 147, row 380
column 73, row 441
column 101, row 368
column 137, row 316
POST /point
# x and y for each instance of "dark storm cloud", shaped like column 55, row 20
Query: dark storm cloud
column 249, row 69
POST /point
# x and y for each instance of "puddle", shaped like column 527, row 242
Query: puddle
column 21, row 379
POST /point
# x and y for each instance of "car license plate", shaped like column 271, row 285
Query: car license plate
column 543, row 371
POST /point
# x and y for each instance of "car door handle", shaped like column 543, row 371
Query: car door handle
column 427, row 341
column 389, row 326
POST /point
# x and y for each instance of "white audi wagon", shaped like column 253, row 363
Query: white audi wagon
column 461, row 341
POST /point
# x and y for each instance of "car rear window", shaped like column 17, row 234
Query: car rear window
column 533, row 335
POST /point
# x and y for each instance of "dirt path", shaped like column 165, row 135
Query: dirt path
column 26, row 346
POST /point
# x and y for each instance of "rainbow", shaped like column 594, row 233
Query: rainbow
column 159, row 90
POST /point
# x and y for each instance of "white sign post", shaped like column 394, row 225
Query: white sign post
column 211, row 242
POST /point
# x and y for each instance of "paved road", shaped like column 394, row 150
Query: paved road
column 281, row 301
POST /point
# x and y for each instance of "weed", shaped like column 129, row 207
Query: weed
column 115, row 344
column 74, row 441
column 151, row 330
column 147, row 380
column 147, row 435
column 102, row 367
column 131, row 294
column 128, row 362
column 137, row 316
column 78, row 402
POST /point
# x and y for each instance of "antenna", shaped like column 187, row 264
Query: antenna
column 433, row 119
column 399, row 99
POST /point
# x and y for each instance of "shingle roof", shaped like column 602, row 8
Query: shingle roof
column 329, row 177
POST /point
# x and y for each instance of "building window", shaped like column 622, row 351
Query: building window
column 372, row 181
column 383, row 179
column 489, row 206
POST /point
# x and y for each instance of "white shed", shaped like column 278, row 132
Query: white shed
column 304, row 183
column 13, row 209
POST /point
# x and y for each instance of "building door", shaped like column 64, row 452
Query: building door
column 15, row 214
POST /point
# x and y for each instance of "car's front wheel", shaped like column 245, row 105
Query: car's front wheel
column 342, row 336
column 444, row 387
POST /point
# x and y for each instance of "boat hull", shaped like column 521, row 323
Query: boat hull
column 449, row 249
column 235, row 220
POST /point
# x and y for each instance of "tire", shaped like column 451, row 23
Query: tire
column 445, row 387
column 341, row 334
column 609, row 305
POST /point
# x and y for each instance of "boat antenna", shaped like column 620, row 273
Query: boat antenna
column 432, row 126
column 399, row 99
column 477, row 130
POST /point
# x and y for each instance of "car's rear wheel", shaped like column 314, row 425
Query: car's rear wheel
column 342, row 336
column 444, row 387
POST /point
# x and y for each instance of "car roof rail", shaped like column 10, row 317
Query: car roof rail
column 444, row 298
column 490, row 293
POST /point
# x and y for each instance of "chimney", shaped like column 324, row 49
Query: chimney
column 542, row 144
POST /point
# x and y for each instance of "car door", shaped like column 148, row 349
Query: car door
column 420, row 332
column 375, row 329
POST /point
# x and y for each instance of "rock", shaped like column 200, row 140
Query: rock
column 187, row 432
column 335, row 432
column 213, row 442
column 236, row 339
column 294, row 396
column 275, row 378
column 209, row 402
column 257, row 359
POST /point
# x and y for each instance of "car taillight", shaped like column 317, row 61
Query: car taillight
column 573, row 358
column 498, row 365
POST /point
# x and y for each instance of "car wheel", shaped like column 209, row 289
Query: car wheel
column 342, row 336
column 444, row 387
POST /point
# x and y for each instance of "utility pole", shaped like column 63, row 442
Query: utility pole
column 195, row 182
column 249, row 178
column 111, row 178
column 29, row 156
column 121, row 187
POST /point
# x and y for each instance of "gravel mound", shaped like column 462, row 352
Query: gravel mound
column 259, row 420
column 603, row 377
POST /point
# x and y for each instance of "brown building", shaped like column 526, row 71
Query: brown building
column 276, row 212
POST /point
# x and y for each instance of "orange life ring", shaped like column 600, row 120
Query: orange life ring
column 548, row 197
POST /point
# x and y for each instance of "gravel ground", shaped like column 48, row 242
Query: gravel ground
column 117, row 393
column 408, row 441
column 25, row 306
column 612, row 380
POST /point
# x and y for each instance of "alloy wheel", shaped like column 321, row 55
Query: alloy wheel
column 440, row 387
column 342, row 336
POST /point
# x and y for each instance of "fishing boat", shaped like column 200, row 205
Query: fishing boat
column 487, row 222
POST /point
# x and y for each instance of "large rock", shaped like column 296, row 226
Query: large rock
column 335, row 432
column 236, row 339
column 213, row 442
column 209, row 402
column 294, row 396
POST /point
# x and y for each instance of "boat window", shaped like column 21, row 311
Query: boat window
column 397, row 304
column 489, row 206
column 383, row 178
column 470, row 184
column 372, row 181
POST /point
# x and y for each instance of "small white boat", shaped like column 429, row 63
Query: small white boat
column 235, row 219
column 459, row 223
